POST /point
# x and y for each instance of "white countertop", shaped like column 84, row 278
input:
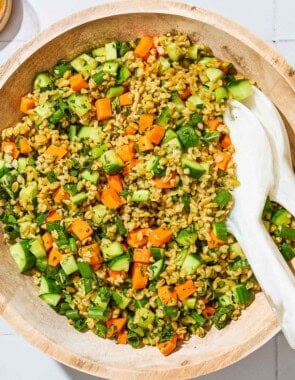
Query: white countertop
column 272, row 20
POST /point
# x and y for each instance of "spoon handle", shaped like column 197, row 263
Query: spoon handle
column 272, row 273
column 283, row 193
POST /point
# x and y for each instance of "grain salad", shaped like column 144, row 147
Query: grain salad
column 115, row 188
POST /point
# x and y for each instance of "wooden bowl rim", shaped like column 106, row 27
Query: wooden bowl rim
column 116, row 9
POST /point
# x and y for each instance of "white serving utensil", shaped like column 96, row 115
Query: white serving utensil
column 254, row 162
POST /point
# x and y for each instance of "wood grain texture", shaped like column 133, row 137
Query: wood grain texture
column 19, row 303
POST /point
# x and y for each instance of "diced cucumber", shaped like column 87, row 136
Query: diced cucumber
column 37, row 248
column 124, row 74
column 144, row 317
column 140, row 196
column 23, row 258
column 173, row 144
column 225, row 300
column 29, row 192
column 196, row 169
column 169, row 135
column 179, row 104
column 181, row 257
column 99, row 52
column 98, row 151
column 205, row 60
column 43, row 82
column 240, row 90
column 186, row 238
column 85, row 269
column 193, row 51
column 214, row 74
column 121, row 300
column 120, row 263
column 156, row 268
column 241, row 294
column 196, row 101
column 22, row 163
column 240, row 264
column 48, row 285
column 115, row 91
column 98, row 77
column 92, row 177
column 79, row 104
column 111, row 250
column 222, row 198
column 187, row 136
column 51, row 299
column 157, row 253
column 164, row 64
column 42, row 264
column 281, row 217
column 190, row 264
column 44, row 111
column 111, row 51
column 287, row 251
column 174, row 51
column 97, row 312
column 99, row 211
column 111, row 162
column 68, row 264
column 286, row 232
column 210, row 137
column 79, row 198
column 220, row 230
column 236, row 251
column 153, row 165
column 84, row 64
column 220, row 94
column 164, row 117
column 91, row 133
column 72, row 132
column 111, row 67
column 190, row 303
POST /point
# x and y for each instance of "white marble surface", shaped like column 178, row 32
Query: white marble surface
column 272, row 20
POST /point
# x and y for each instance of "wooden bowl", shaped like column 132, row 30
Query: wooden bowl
column 5, row 12
column 19, row 303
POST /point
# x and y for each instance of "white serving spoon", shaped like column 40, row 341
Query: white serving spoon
column 253, row 158
column 283, row 190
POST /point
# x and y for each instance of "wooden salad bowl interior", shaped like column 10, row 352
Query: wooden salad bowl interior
column 19, row 302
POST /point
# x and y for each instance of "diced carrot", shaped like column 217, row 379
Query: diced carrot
column 225, row 142
column 168, row 346
column 139, row 276
column 144, row 144
column 129, row 131
column 47, row 240
column 92, row 252
column 126, row 99
column 60, row 195
column 57, row 151
column 115, row 326
column 10, row 148
column 142, row 255
column 103, row 109
column 213, row 124
column 117, row 273
column 167, row 295
column 26, row 104
column 208, row 312
column 214, row 242
column 144, row 46
column 24, row 146
column 145, row 121
column 185, row 290
column 110, row 198
column 160, row 236
column 222, row 159
column 127, row 169
column 115, row 182
column 53, row 216
column 122, row 337
column 164, row 183
column 81, row 229
column 77, row 82
column 54, row 257
column 186, row 93
column 126, row 152
column 155, row 134
column 138, row 238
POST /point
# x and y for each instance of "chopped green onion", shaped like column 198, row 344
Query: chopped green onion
column 220, row 230
column 286, row 233
column 287, row 251
column 222, row 198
